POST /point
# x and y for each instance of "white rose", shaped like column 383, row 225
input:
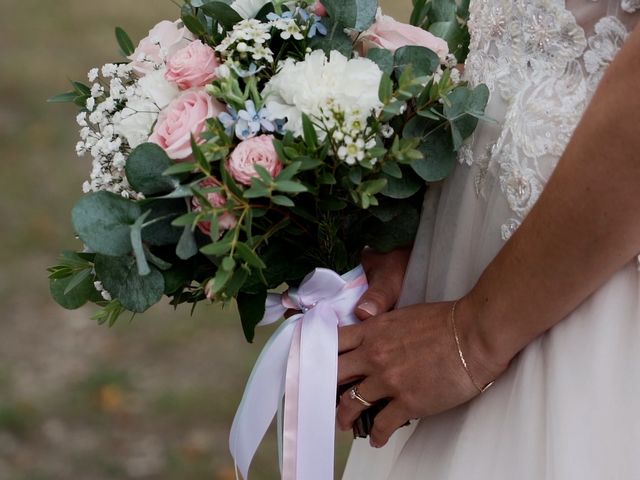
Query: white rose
column 158, row 88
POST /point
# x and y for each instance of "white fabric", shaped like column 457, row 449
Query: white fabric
column 569, row 405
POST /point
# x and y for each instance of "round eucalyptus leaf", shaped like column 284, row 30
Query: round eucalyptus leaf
column 145, row 167
column 422, row 60
column 77, row 297
column 136, row 293
column 102, row 220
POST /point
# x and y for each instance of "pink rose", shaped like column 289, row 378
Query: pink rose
column 183, row 117
column 251, row 152
column 319, row 9
column 391, row 35
column 163, row 40
column 193, row 66
column 226, row 220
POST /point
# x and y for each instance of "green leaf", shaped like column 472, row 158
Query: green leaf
column 76, row 280
column 383, row 58
column 187, row 247
column 443, row 10
column 251, row 308
column 102, row 220
column 217, row 249
column 228, row 264
column 138, row 248
column 136, row 293
column 222, row 13
column 439, row 157
column 159, row 229
column 356, row 14
column 405, row 187
column 63, row 98
column 193, row 25
column 178, row 168
column 309, row 132
column 422, row 61
column 290, row 172
column 249, row 256
column 371, row 187
column 385, row 91
column 282, row 201
column 76, row 297
column 289, row 186
column 392, row 169
column 336, row 38
column 146, row 167
column 81, row 88
column 464, row 107
column 126, row 45
column 399, row 231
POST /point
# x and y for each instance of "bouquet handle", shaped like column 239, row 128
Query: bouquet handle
column 299, row 362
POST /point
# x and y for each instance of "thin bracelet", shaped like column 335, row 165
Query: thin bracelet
column 461, row 355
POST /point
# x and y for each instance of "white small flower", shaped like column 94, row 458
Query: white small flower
column 455, row 75
column 242, row 47
column 81, row 119
column 109, row 70
column 90, row 104
column 93, row 74
column 387, row 131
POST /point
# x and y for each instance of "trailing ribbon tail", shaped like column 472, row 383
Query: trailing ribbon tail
column 300, row 362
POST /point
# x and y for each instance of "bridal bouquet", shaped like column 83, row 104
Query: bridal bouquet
column 246, row 144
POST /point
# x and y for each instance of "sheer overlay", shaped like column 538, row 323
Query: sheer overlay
column 567, row 406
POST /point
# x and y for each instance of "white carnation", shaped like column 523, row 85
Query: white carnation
column 158, row 88
column 309, row 86
column 136, row 120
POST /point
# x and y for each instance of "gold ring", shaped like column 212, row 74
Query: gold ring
column 354, row 394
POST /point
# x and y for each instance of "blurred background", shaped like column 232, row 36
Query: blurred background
column 152, row 398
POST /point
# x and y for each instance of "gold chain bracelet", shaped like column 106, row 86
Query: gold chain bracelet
column 461, row 355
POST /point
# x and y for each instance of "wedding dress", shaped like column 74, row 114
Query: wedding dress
column 568, row 407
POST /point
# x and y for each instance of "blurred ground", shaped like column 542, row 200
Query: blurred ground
column 152, row 398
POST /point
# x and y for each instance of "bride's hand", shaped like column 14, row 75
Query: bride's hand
column 410, row 357
column 385, row 274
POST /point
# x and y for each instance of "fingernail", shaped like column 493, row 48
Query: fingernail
column 369, row 308
column 373, row 444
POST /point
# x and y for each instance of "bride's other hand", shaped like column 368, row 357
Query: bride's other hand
column 410, row 357
column 385, row 274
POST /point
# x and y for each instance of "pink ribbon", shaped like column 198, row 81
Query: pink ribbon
column 300, row 361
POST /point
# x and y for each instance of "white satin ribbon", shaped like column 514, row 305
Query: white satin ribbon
column 300, row 361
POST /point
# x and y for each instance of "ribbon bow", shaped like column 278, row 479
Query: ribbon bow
column 300, row 361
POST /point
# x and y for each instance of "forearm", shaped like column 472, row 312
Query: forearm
column 585, row 226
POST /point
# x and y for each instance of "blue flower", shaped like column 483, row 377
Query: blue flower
column 317, row 27
column 250, row 121
column 228, row 120
column 252, row 71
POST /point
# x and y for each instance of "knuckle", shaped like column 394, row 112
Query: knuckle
column 378, row 354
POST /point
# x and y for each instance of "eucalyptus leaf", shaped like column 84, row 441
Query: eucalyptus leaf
column 423, row 62
column 102, row 220
column 76, row 297
column 251, row 308
column 146, row 167
column 383, row 58
column 136, row 293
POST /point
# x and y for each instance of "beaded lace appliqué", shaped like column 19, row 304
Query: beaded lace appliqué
column 534, row 55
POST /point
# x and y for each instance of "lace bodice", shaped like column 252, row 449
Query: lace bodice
column 542, row 61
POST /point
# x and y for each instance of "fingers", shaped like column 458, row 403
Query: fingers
column 351, row 367
column 350, row 338
column 376, row 300
column 349, row 409
column 390, row 419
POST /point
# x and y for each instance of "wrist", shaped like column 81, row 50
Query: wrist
column 487, row 351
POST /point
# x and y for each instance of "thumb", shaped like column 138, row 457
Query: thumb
column 375, row 301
